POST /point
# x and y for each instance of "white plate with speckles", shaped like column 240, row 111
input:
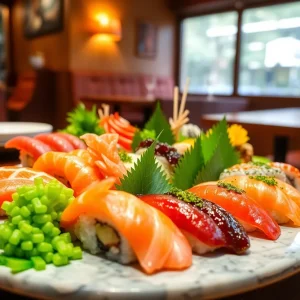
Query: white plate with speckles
column 8, row 130
column 211, row 276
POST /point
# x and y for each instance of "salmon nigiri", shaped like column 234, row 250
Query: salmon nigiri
column 249, row 213
column 264, row 190
column 76, row 142
column 55, row 142
column 84, row 154
column 70, row 170
column 103, row 150
column 126, row 229
column 13, row 177
column 30, row 149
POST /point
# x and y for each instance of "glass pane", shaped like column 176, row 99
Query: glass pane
column 207, row 53
column 270, row 57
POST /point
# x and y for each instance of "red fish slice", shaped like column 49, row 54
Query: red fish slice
column 55, row 142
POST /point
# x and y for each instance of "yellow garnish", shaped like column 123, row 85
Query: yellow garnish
column 237, row 135
column 209, row 132
column 189, row 141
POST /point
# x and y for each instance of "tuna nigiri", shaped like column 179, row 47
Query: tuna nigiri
column 291, row 172
column 249, row 213
column 264, row 190
column 76, row 142
column 30, row 149
column 103, row 150
column 201, row 231
column 126, row 229
column 70, row 170
column 55, row 142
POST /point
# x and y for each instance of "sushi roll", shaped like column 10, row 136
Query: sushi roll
column 125, row 229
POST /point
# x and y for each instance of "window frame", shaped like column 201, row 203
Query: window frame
column 214, row 8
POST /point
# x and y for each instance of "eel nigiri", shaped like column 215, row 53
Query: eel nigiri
column 30, row 149
column 201, row 231
column 76, row 142
column 291, row 172
column 126, row 229
column 254, row 169
column 103, row 150
column 55, row 142
column 249, row 213
column 70, row 170
column 264, row 190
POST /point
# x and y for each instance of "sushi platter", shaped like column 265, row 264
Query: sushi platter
column 106, row 210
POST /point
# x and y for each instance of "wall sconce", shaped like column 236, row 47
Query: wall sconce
column 106, row 27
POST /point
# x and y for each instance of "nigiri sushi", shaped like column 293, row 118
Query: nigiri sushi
column 201, row 231
column 55, row 142
column 254, row 169
column 264, row 190
column 76, row 142
column 126, row 229
column 291, row 172
column 71, row 170
column 30, row 149
column 248, row 212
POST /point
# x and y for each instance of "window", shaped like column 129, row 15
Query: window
column 270, row 51
column 207, row 53
column 269, row 63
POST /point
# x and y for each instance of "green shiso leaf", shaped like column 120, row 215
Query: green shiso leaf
column 159, row 123
column 189, row 166
column 223, row 156
column 146, row 177
column 83, row 121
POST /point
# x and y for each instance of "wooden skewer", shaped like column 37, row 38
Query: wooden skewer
column 184, row 96
column 175, row 105
column 104, row 111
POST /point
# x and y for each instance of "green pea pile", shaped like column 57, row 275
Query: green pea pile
column 31, row 233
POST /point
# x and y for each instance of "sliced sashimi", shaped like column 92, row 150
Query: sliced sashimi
column 70, row 170
column 76, row 142
column 264, row 190
column 248, row 212
column 201, row 231
column 103, row 150
column 126, row 229
column 55, row 142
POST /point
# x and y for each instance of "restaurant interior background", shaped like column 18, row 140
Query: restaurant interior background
column 240, row 55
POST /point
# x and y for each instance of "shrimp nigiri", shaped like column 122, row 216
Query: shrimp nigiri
column 126, row 229
column 70, row 170
column 264, row 190
column 249, row 213
column 30, row 149
column 103, row 150
column 55, row 142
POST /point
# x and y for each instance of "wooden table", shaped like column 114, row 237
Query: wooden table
column 271, row 131
column 146, row 104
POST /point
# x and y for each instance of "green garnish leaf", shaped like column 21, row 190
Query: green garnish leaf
column 146, row 177
column 159, row 123
column 222, row 156
column 83, row 121
column 230, row 187
column 266, row 179
column 189, row 166
column 186, row 196
column 140, row 136
column 124, row 156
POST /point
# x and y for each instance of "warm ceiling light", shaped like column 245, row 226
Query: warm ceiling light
column 107, row 27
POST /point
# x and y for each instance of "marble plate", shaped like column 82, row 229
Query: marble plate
column 9, row 130
column 211, row 276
